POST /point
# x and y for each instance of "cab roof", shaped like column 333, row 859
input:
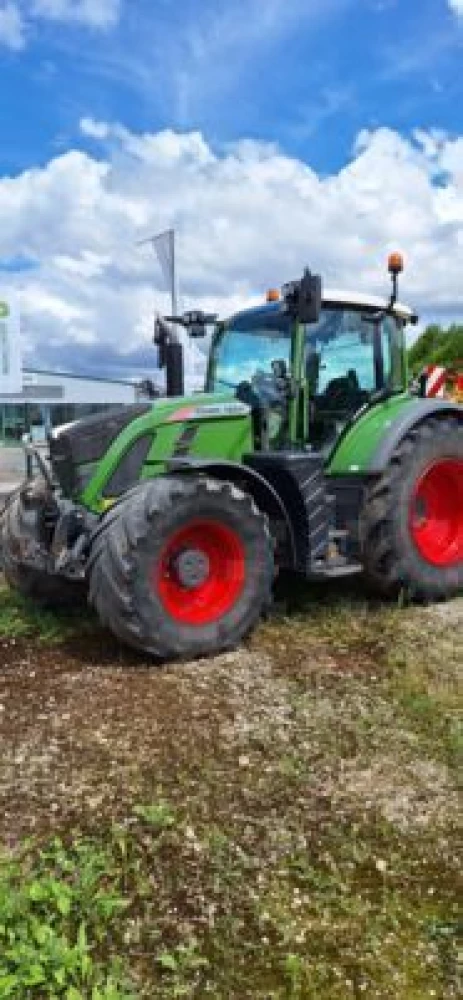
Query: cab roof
column 365, row 301
column 332, row 296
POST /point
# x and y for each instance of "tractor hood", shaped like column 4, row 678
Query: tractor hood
column 200, row 406
column 97, row 459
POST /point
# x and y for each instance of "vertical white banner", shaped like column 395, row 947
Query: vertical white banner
column 10, row 345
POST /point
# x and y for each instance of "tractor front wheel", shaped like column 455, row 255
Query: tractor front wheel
column 181, row 566
column 412, row 522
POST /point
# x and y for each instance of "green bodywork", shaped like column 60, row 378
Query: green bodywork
column 354, row 451
column 228, row 438
column 218, row 426
column 222, row 429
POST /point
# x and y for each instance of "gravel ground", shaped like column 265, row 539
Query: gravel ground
column 307, row 786
column 86, row 725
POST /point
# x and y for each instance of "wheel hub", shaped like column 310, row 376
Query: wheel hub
column 436, row 513
column 191, row 568
column 201, row 573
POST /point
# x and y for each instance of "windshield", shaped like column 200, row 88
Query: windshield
column 348, row 344
column 242, row 351
column 345, row 345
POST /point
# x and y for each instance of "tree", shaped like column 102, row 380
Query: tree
column 437, row 346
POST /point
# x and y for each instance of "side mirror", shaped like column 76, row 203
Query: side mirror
column 197, row 330
column 303, row 299
column 194, row 322
column 197, row 322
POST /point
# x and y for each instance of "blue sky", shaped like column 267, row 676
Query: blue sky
column 308, row 75
column 236, row 122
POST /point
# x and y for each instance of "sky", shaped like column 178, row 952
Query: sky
column 271, row 134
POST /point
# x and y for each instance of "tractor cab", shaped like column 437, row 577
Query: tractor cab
column 303, row 380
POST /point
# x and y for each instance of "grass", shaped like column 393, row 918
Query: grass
column 20, row 618
column 142, row 911
column 57, row 908
column 284, row 828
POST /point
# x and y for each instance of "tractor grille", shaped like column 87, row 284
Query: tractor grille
column 75, row 450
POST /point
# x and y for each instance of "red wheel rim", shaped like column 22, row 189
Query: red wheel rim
column 219, row 553
column 436, row 516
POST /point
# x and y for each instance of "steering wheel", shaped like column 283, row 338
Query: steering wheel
column 267, row 386
column 263, row 378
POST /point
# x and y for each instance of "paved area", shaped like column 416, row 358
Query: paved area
column 12, row 465
column 7, row 488
column 12, row 469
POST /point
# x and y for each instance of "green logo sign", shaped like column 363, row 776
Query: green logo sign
column 4, row 310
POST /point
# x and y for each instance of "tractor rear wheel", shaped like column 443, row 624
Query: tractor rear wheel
column 181, row 566
column 412, row 523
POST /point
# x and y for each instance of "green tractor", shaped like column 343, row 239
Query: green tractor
column 307, row 453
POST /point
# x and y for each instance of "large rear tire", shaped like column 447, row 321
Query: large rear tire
column 411, row 527
column 181, row 566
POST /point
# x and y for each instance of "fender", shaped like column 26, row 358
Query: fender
column 265, row 495
column 404, row 423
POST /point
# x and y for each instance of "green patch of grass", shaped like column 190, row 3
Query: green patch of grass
column 441, row 730
column 57, row 911
column 182, row 968
column 158, row 816
column 165, row 911
column 414, row 654
column 426, row 683
column 20, row 619
column 336, row 621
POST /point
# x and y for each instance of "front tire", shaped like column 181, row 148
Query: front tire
column 181, row 566
column 411, row 527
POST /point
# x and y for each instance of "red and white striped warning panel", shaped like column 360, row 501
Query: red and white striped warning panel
column 436, row 377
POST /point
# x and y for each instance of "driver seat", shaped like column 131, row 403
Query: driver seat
column 342, row 395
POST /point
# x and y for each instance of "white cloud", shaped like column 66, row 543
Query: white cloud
column 248, row 218
column 93, row 129
column 456, row 6
column 15, row 15
column 12, row 29
column 94, row 13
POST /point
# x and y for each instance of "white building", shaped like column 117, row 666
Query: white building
column 52, row 398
